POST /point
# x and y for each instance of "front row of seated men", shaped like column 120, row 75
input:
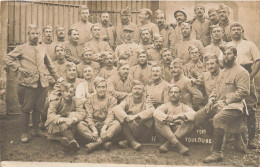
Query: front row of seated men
column 135, row 113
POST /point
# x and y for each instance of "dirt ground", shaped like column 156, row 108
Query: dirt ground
column 40, row 149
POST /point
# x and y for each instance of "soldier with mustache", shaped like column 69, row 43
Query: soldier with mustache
column 146, row 39
column 154, row 52
column 213, row 16
column 165, row 63
column 48, row 41
column 109, row 68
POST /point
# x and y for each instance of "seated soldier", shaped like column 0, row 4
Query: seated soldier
column 194, row 67
column 87, row 60
column 135, row 115
column 157, row 91
column 99, row 126
column 190, row 94
column 86, row 87
column 120, row 84
column 63, row 114
column 109, row 68
column 141, row 71
column 173, row 120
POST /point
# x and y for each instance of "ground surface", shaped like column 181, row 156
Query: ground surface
column 41, row 149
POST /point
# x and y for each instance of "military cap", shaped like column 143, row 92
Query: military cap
column 223, row 6
column 70, row 65
column 125, row 11
column 211, row 10
column 237, row 25
column 180, row 11
column 225, row 47
column 177, row 61
column 149, row 11
column 208, row 56
column 128, row 28
column 200, row 5
column 31, row 27
column 157, row 36
column 121, row 63
column 48, row 26
column 83, row 7
column 192, row 47
column 98, row 80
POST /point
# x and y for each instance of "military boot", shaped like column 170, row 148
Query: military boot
column 123, row 143
column 107, row 146
column 182, row 149
column 92, row 146
column 74, row 146
column 165, row 147
column 136, row 146
column 214, row 157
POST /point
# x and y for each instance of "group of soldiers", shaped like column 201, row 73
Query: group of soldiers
column 141, row 82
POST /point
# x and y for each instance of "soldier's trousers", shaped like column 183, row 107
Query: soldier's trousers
column 31, row 99
column 84, row 130
column 175, row 132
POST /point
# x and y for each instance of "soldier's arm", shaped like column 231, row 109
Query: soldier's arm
column 10, row 58
column 161, row 113
column 50, row 66
column 197, row 96
column 89, row 116
column 116, row 94
column 110, row 115
column 148, row 112
column 256, row 57
column 201, row 48
column 52, row 116
column 120, row 111
column 80, row 113
column 189, row 113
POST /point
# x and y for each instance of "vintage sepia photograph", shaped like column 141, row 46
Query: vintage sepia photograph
column 129, row 83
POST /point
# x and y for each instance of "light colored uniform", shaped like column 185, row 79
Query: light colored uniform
column 84, row 31
column 106, row 73
column 120, row 37
column 202, row 31
column 140, row 73
column 194, row 70
column 94, row 65
column 108, row 32
column 73, row 52
column 99, row 47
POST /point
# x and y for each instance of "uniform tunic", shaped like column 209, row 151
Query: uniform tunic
column 166, row 31
column 106, row 73
column 98, row 47
column 202, row 30
column 154, row 55
column 108, row 32
column 82, row 65
column 150, row 26
column 195, row 69
column 120, row 37
column 84, row 31
column 166, row 73
column 140, row 73
column 61, row 67
column 73, row 52
column 50, row 50
column 214, row 49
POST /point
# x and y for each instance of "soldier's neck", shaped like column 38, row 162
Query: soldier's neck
column 236, row 40
column 145, row 22
column 74, row 43
column 201, row 18
column 128, row 41
column 138, row 100
column 61, row 60
column 71, row 80
column 217, row 41
column 69, row 101
column 177, row 77
column 109, row 67
column 33, row 43
column 87, row 62
column 187, row 38
column 224, row 22
column 157, row 81
column 215, row 73
column 47, row 41
column 84, row 21
column 195, row 61
column 60, row 39
column 175, row 103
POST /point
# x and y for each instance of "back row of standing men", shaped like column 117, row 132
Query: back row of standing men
column 155, row 55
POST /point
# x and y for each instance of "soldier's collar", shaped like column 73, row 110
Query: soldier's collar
column 158, row 81
column 224, row 23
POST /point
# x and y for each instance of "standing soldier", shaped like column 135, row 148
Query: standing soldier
column 146, row 39
column 181, row 50
column 128, row 45
column 96, row 44
column 125, row 16
column 164, row 29
column 174, row 120
column 99, row 126
column 29, row 61
column 248, row 56
column 109, row 68
column 73, row 49
column 154, row 53
column 135, row 115
column 145, row 17
column 233, row 86
column 165, row 64
column 60, row 62
column 190, row 95
column 107, row 30
column 83, row 26
column 213, row 16
column 60, row 36
column 201, row 25
column 48, row 41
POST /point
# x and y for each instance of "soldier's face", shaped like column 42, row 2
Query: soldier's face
column 195, row 54
column 143, row 16
column 223, row 14
column 146, row 36
column 74, row 36
column 160, row 19
column 216, row 33
column 128, row 35
column 138, row 91
column 167, row 57
column 60, row 52
column 71, row 73
column 124, row 71
column 176, row 69
column 185, row 30
column 68, row 94
column 214, row 18
column 174, row 94
column 61, row 32
column 109, row 60
column 142, row 58
column 125, row 18
column 105, row 18
column 87, row 56
column 180, row 17
column 158, row 43
column 236, row 32
column 96, row 32
column 88, row 73
column 84, row 14
column 47, row 33
column 34, row 36
column 212, row 65
column 101, row 89
column 228, row 58
column 199, row 11
column 156, row 73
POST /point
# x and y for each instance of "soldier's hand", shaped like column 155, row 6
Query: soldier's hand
column 103, row 133
column 153, row 101
column 172, row 118
column 210, row 105
column 95, row 135
column 69, row 121
column 25, row 72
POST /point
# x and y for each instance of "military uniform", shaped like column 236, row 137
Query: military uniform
column 153, row 28
column 106, row 73
column 120, row 37
column 202, row 30
column 214, row 49
column 98, row 47
column 166, row 73
column 166, row 31
column 50, row 50
column 82, row 65
column 154, row 55
column 195, row 69
column 84, row 31
column 190, row 95
column 140, row 73
column 108, row 32
column 73, row 52
column 61, row 67
column 146, row 46
column 84, row 90
column 176, row 37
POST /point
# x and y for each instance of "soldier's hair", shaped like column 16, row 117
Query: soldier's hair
column 156, row 65
column 170, row 86
column 70, row 31
column 148, row 11
column 56, row 28
column 142, row 51
column 47, row 27
column 211, row 28
column 211, row 56
column 59, row 46
column 164, row 50
column 157, row 12
column 94, row 25
column 104, row 12
column 233, row 50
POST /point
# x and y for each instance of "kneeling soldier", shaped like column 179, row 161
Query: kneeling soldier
column 134, row 114
column 173, row 120
column 63, row 114
column 99, row 126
